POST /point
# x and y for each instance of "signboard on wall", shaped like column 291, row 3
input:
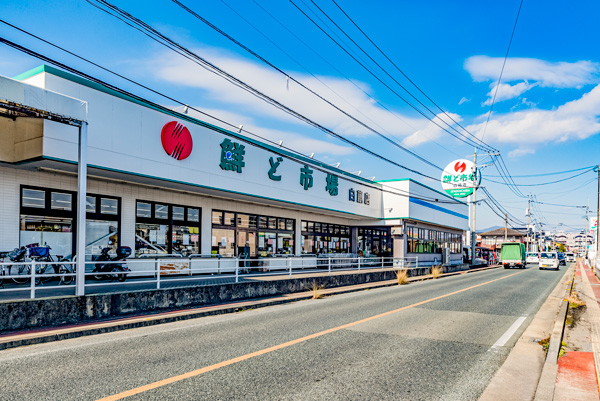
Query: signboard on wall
column 460, row 178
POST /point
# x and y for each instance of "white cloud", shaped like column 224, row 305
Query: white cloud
column 520, row 152
column 577, row 119
column 545, row 73
column 180, row 71
column 431, row 132
column 507, row 91
column 296, row 142
column 463, row 100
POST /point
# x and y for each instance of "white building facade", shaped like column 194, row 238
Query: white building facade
column 163, row 182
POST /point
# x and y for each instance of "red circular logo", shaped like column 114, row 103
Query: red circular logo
column 460, row 167
column 176, row 140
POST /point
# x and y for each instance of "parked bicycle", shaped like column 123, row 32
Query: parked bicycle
column 48, row 269
column 20, row 269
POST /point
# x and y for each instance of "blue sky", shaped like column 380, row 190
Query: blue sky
column 545, row 117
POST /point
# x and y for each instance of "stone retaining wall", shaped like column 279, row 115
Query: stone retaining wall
column 36, row 313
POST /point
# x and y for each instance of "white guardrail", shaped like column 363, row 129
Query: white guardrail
column 159, row 270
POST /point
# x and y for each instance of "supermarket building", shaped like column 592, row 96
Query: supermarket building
column 163, row 182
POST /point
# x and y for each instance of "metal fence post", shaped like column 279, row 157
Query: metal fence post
column 158, row 274
column 32, row 295
column 359, row 264
column 329, row 265
column 382, row 263
column 218, row 265
column 237, row 269
column 290, row 266
column 416, row 261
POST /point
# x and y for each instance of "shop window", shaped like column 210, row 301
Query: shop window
column 90, row 204
column 144, row 210
column 229, row 219
column 217, row 218
column 252, row 235
column 272, row 223
column 161, row 212
column 178, row 213
column 281, row 224
column 51, row 231
column 33, row 198
column 109, row 206
column 170, row 231
column 193, row 214
column 60, row 201
column 52, row 223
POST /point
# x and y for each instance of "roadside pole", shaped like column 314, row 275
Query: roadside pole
column 528, row 220
column 505, row 227
column 473, row 203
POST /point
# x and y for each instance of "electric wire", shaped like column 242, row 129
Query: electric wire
column 546, row 174
column 332, row 66
column 399, row 69
column 502, row 70
column 170, row 44
column 81, row 74
column 458, row 136
column 545, row 183
column 289, row 76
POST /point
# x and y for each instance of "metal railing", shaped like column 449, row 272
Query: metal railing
column 59, row 278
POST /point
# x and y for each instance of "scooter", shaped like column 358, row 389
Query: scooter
column 118, row 270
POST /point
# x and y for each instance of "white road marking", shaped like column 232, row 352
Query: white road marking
column 508, row 334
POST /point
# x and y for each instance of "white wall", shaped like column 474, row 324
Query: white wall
column 125, row 136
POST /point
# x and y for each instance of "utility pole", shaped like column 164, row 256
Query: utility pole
column 528, row 220
column 598, row 223
column 505, row 227
column 473, row 203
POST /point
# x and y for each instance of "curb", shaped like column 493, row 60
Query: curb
column 547, row 382
column 19, row 339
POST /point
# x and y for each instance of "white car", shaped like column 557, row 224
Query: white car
column 532, row 257
column 549, row 260
column 570, row 257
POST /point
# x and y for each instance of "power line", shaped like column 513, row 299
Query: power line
column 318, row 55
column 460, row 136
column 265, row 61
column 502, row 70
column 546, row 174
column 183, row 51
column 545, row 183
column 72, row 70
column 399, row 69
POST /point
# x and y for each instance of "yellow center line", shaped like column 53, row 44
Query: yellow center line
column 232, row 361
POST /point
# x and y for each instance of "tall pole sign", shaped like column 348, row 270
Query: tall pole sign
column 460, row 179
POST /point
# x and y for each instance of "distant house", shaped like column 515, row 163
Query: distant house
column 493, row 239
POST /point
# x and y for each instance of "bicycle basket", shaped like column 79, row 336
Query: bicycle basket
column 39, row 252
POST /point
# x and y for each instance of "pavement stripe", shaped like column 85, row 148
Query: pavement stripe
column 508, row 334
column 198, row 372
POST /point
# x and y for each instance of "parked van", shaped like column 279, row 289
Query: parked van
column 549, row 260
column 512, row 254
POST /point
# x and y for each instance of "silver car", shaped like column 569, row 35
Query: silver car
column 532, row 257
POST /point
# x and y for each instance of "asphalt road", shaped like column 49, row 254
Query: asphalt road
column 436, row 340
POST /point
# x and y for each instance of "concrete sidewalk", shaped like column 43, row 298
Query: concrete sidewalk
column 577, row 376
